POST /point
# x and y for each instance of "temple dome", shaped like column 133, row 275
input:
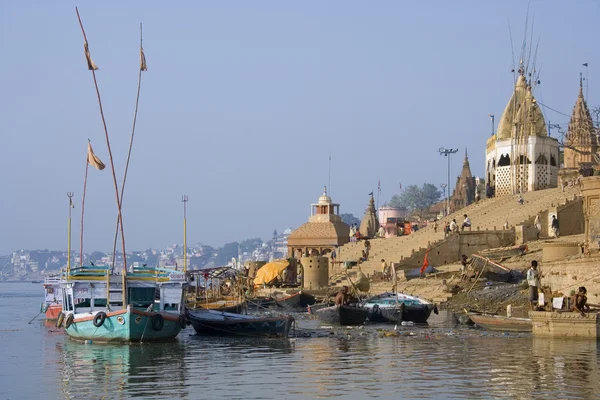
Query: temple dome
column 523, row 113
column 324, row 199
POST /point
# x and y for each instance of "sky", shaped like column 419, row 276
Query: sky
column 243, row 102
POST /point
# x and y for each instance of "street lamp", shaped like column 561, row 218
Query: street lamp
column 493, row 126
column 443, row 186
column 447, row 153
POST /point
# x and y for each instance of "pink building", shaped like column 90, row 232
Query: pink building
column 388, row 217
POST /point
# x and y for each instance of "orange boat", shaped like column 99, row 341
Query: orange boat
column 52, row 304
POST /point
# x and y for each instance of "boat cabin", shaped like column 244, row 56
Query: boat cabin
column 93, row 289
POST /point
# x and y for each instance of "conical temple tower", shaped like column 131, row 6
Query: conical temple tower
column 581, row 143
column 369, row 224
column 464, row 191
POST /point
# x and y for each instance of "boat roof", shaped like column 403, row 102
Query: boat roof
column 100, row 272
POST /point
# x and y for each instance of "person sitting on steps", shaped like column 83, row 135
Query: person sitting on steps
column 466, row 223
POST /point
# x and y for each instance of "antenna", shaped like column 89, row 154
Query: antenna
column 329, row 175
column 512, row 49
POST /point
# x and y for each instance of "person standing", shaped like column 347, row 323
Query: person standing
column 555, row 226
column 384, row 270
column 463, row 267
column 435, row 226
column 533, row 280
column 538, row 225
column 381, row 232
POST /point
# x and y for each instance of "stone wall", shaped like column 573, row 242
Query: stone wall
column 450, row 250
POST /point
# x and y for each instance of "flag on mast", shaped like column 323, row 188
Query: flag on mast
column 143, row 65
column 93, row 159
column 91, row 65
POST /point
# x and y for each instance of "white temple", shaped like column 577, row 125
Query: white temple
column 521, row 157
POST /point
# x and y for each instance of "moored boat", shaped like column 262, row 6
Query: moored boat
column 210, row 322
column 343, row 315
column 295, row 300
column 257, row 303
column 501, row 323
column 391, row 307
column 52, row 304
column 225, row 305
column 312, row 309
column 94, row 310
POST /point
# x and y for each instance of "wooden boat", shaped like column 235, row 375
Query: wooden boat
column 210, row 322
column 312, row 309
column 492, row 270
column 343, row 315
column 398, row 307
column 94, row 308
column 296, row 300
column 257, row 303
column 504, row 252
column 501, row 323
column 225, row 305
column 52, row 304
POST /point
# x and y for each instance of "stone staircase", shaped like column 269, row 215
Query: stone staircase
column 489, row 214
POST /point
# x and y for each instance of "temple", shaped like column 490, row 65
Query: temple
column 323, row 232
column 581, row 143
column 369, row 224
column 464, row 191
column 521, row 157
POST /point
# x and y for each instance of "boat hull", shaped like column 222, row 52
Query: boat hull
column 312, row 309
column 296, row 300
column 414, row 313
column 52, row 311
column 124, row 326
column 215, row 323
column 501, row 323
column 343, row 315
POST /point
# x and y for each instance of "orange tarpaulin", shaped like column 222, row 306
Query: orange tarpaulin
column 268, row 272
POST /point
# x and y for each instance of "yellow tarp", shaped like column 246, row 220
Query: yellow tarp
column 268, row 272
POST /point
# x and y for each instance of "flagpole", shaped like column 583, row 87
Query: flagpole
column 137, row 101
column 378, row 191
column 112, row 164
column 329, row 175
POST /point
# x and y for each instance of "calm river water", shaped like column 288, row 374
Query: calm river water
column 39, row 361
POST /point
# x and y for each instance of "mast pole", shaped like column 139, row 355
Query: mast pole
column 70, row 196
column 112, row 165
column 184, row 200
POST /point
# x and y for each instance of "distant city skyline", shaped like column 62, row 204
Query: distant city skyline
column 242, row 104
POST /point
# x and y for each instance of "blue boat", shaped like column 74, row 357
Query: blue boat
column 93, row 306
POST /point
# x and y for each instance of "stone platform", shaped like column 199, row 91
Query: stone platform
column 565, row 324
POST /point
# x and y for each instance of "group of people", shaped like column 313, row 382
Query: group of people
column 355, row 234
column 452, row 227
column 578, row 302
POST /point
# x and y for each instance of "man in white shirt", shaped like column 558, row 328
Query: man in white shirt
column 381, row 232
column 466, row 223
column 453, row 226
column 533, row 279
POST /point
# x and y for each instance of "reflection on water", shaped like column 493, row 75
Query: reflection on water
column 356, row 363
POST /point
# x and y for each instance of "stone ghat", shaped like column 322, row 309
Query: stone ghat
column 565, row 324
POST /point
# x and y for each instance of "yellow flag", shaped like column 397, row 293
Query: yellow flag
column 88, row 58
column 143, row 65
column 93, row 159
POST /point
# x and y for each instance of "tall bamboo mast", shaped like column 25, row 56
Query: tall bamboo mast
column 93, row 68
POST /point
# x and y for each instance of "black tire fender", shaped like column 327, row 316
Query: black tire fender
column 68, row 321
column 61, row 318
column 99, row 319
column 157, row 322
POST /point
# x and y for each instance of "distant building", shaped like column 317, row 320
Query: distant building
column 323, row 232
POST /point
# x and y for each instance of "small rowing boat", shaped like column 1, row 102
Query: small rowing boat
column 501, row 323
column 210, row 322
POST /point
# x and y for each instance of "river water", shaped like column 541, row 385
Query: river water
column 40, row 361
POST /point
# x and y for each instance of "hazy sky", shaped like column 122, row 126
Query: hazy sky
column 243, row 101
